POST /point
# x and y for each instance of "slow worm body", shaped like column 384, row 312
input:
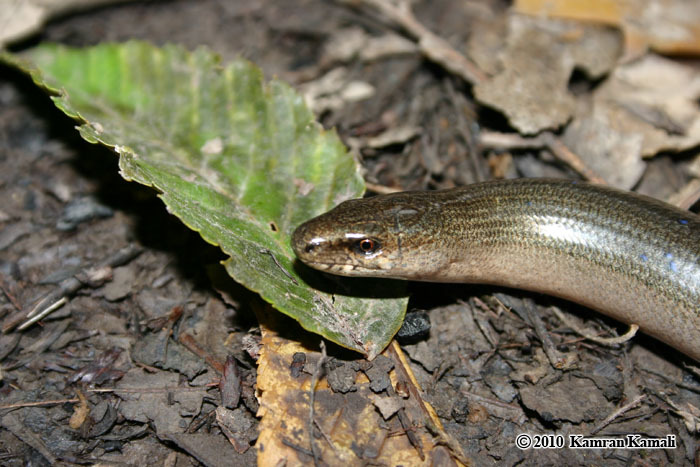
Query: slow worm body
column 628, row 256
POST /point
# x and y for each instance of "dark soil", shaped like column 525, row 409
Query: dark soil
column 65, row 212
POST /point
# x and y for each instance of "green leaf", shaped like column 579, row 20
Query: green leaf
column 240, row 161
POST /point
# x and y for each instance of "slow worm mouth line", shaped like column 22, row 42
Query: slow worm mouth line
column 603, row 248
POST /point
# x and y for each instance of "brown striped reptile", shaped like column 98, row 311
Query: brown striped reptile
column 628, row 256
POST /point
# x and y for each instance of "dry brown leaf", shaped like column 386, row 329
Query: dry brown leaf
column 531, row 88
column 350, row 430
column 348, row 43
column 552, row 401
column 667, row 26
column 80, row 412
column 334, row 90
column 21, row 18
column 159, row 399
column 237, row 426
column 393, row 135
column 643, row 108
column 662, row 95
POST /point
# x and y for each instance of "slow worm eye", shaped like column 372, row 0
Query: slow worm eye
column 367, row 246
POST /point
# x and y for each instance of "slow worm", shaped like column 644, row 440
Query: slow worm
column 628, row 256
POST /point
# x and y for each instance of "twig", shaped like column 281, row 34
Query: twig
column 556, row 358
column 483, row 323
column 687, row 196
column 54, row 333
column 381, row 189
column 634, row 403
column 693, row 369
column 188, row 341
column 564, row 154
column 318, row 373
column 689, row 416
column 680, row 384
column 606, row 341
column 17, row 427
column 407, row 426
column 496, row 139
column 403, row 373
column 493, row 139
column 70, row 286
column 10, row 296
column 511, row 412
column 42, row 314
column 296, row 447
column 433, row 47
column 325, row 436
column 158, row 390
column 18, row 405
column 464, row 131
